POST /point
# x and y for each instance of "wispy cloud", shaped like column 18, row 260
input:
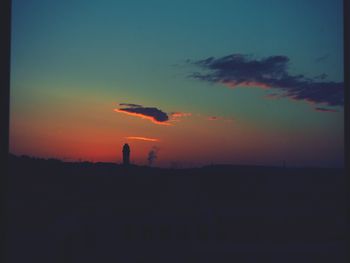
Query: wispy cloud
column 269, row 73
column 176, row 116
column 142, row 138
column 217, row 118
column 321, row 76
column 321, row 58
column 324, row 109
column 180, row 114
column 153, row 114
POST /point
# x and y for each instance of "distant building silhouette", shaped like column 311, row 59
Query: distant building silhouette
column 126, row 154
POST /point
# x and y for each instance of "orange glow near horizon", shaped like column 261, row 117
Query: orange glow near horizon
column 142, row 138
column 190, row 146
column 143, row 117
column 74, row 135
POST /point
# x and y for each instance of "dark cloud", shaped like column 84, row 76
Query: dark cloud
column 271, row 72
column 151, row 113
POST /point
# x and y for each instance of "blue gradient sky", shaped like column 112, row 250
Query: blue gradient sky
column 74, row 61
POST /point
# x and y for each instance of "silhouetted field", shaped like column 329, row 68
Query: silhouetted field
column 84, row 212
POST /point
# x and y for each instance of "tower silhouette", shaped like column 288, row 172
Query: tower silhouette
column 126, row 154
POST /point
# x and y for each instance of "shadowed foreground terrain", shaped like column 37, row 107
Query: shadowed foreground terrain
column 84, row 212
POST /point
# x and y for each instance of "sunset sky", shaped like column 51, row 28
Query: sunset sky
column 238, row 82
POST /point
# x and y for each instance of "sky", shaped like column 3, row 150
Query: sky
column 203, row 82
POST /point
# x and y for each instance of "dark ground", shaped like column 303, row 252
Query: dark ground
column 81, row 212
